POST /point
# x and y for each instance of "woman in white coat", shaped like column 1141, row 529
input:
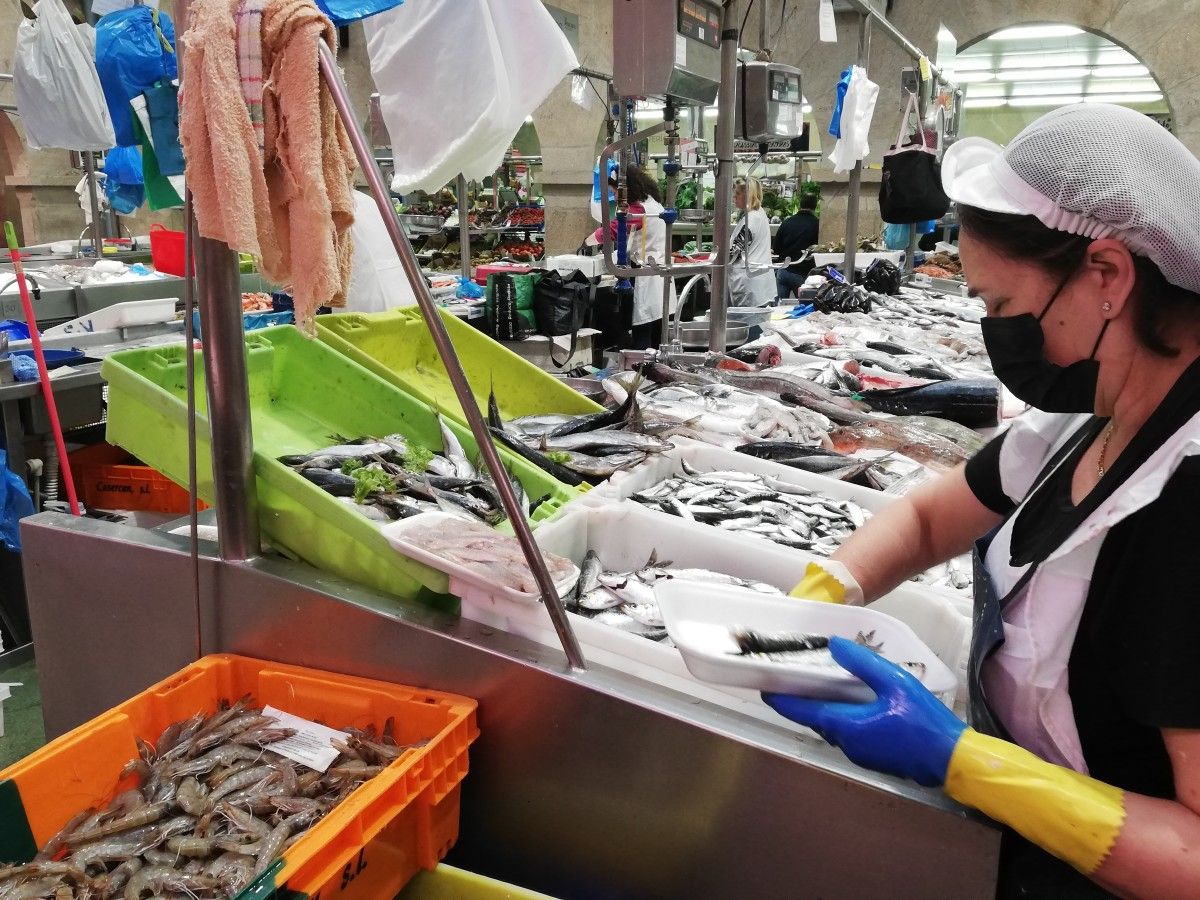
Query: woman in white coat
column 646, row 240
column 1081, row 240
column 751, row 279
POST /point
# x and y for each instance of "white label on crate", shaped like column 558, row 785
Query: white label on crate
column 680, row 50
column 310, row 746
column 827, row 22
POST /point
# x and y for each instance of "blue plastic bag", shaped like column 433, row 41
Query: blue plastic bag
column 124, row 185
column 896, row 236
column 343, row 12
column 135, row 49
column 612, row 173
column 835, row 123
column 162, row 106
column 468, row 289
column 15, row 504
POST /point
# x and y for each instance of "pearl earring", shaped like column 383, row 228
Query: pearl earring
column 1106, row 306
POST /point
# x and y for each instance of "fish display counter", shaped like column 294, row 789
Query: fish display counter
column 706, row 793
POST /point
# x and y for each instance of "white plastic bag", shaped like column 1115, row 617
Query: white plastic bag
column 58, row 91
column 456, row 79
column 857, row 111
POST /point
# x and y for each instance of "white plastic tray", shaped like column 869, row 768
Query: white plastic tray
column 708, row 458
column 473, row 588
column 623, row 534
column 119, row 315
column 699, row 618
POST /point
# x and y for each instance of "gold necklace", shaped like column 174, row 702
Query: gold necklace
column 1108, row 433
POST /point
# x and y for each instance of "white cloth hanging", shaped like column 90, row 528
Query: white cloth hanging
column 456, row 79
column 377, row 278
column 857, row 111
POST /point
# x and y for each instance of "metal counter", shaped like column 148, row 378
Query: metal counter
column 590, row 784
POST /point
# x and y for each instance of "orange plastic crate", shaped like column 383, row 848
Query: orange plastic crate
column 106, row 477
column 401, row 821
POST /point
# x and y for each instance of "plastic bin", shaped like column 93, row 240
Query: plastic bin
column 166, row 249
column 301, row 393
column 106, row 477
column 398, row 347
column 448, row 883
column 399, row 822
column 623, row 534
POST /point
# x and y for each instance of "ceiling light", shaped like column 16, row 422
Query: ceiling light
column 1120, row 72
column 1034, row 32
column 1128, row 86
column 806, row 108
column 528, row 119
column 1010, row 62
column 983, row 102
column 944, row 34
column 1046, row 89
column 1042, row 74
column 973, row 77
column 1124, row 98
column 1045, row 101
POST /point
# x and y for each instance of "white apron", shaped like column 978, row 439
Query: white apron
column 751, row 279
column 1026, row 678
column 650, row 242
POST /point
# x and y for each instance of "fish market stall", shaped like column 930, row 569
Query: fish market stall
column 426, row 525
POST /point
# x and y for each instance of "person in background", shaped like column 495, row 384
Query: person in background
column 751, row 279
column 646, row 239
column 796, row 235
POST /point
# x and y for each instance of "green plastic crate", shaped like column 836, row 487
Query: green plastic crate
column 448, row 883
column 398, row 347
column 301, row 393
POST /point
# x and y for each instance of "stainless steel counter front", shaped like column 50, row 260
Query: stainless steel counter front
column 583, row 784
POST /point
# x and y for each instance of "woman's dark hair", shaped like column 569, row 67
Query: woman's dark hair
column 1157, row 305
column 809, row 202
column 640, row 186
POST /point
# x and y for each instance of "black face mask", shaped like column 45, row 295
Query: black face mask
column 1015, row 345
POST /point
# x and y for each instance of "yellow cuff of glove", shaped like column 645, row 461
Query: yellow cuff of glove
column 1072, row 816
column 819, row 585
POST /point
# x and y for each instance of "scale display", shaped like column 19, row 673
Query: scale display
column 700, row 21
column 667, row 49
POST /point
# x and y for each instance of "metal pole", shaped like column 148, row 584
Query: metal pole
column 445, row 349
column 464, row 227
column 867, row 8
column 89, row 171
column 218, row 284
column 764, row 16
column 855, row 189
column 727, row 104
column 228, row 390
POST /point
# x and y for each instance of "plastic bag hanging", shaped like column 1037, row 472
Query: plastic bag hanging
column 15, row 504
column 135, row 49
column 496, row 61
column 58, row 92
column 857, row 111
column 345, row 12
column 124, row 186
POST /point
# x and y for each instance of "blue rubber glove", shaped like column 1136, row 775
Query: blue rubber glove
column 905, row 731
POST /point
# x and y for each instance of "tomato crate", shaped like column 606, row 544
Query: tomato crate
column 107, row 477
column 401, row 821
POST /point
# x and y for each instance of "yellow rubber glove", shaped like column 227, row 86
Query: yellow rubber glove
column 1072, row 816
column 830, row 582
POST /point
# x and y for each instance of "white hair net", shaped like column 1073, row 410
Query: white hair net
column 1093, row 169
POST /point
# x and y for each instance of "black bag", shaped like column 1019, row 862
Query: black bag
column 911, row 189
column 504, row 322
column 563, row 305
